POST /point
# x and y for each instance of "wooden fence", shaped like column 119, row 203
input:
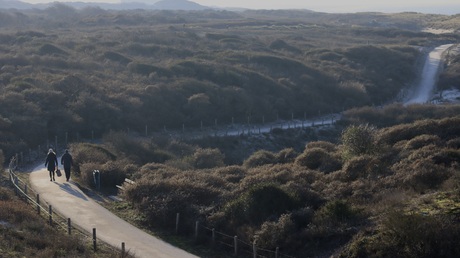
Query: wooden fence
column 23, row 191
column 230, row 243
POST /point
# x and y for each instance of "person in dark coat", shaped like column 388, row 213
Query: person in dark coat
column 51, row 163
column 66, row 160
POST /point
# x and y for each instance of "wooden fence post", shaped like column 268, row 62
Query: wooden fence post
column 122, row 249
column 25, row 189
column 254, row 249
column 94, row 240
column 213, row 237
column 235, row 242
column 38, row 204
column 16, row 186
column 50, row 210
column 69, row 226
column 177, row 222
column 197, row 225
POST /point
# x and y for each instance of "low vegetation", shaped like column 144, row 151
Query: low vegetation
column 76, row 74
column 23, row 233
column 360, row 194
column 383, row 182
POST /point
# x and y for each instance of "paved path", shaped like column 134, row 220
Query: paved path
column 71, row 202
column 424, row 91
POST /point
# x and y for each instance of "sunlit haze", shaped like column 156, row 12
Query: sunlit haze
column 426, row 6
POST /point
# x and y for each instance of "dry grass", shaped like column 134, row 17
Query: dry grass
column 23, row 233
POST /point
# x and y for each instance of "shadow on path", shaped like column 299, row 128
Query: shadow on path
column 68, row 188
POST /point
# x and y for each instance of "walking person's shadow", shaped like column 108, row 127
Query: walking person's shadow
column 68, row 188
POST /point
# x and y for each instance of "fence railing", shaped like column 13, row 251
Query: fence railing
column 217, row 239
column 23, row 191
column 230, row 243
column 216, row 130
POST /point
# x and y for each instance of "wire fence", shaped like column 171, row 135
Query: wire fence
column 218, row 238
column 227, row 243
column 23, row 191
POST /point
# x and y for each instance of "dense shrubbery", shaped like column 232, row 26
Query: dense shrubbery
column 143, row 76
column 296, row 206
column 78, row 83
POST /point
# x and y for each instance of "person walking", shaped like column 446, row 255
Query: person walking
column 51, row 163
column 67, row 162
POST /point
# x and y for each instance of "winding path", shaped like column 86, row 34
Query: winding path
column 72, row 203
column 67, row 199
column 424, row 90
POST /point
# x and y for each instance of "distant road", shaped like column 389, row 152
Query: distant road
column 423, row 92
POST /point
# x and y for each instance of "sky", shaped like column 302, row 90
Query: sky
column 425, row 6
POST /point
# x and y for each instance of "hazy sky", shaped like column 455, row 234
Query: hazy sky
column 432, row 6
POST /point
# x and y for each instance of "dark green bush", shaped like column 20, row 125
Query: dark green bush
column 358, row 140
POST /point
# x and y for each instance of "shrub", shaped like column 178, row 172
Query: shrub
column 207, row 158
column 327, row 146
column 232, row 174
column 140, row 151
column 275, row 234
column 112, row 173
column 423, row 140
column 426, row 175
column 447, row 157
column 454, row 143
column 287, row 155
column 361, row 167
column 446, row 129
column 333, row 212
column 261, row 202
column 358, row 140
column 317, row 158
column 160, row 200
column 408, row 235
column 90, row 153
column 260, row 158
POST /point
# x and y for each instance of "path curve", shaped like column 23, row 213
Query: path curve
column 68, row 200
column 424, row 90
